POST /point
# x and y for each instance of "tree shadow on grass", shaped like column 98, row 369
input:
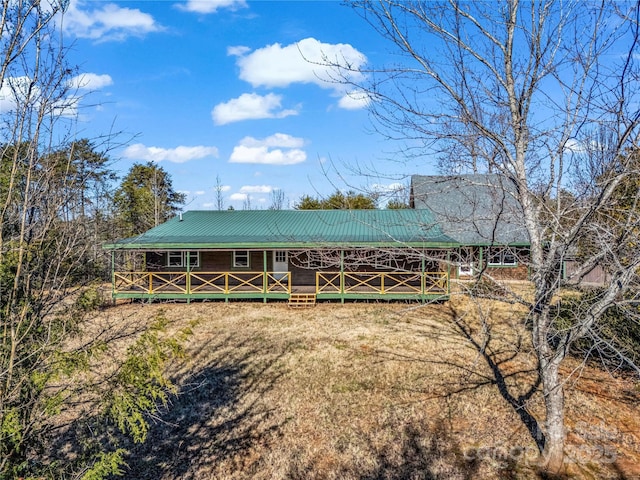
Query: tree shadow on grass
column 218, row 415
column 496, row 359
column 502, row 360
column 424, row 454
column 415, row 452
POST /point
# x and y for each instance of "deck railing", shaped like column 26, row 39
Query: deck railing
column 436, row 282
column 201, row 282
column 188, row 283
column 382, row 282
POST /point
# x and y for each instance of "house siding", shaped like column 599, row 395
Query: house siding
column 520, row 272
column 211, row 261
column 597, row 277
column 222, row 261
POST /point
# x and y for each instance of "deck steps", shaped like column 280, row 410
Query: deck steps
column 300, row 300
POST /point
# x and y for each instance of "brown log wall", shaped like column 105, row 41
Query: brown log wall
column 222, row 261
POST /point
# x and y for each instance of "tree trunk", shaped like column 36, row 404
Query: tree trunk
column 553, row 454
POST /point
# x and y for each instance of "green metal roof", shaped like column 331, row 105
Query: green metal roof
column 291, row 228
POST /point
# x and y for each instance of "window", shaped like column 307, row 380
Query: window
column 194, row 259
column 508, row 258
column 174, row 259
column 281, row 256
column 179, row 259
column 501, row 257
column 241, row 258
column 466, row 258
column 465, row 270
column 494, row 256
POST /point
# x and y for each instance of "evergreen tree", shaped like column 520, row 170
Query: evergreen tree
column 338, row 201
column 396, row 205
column 145, row 199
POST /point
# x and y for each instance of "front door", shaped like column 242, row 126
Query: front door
column 280, row 263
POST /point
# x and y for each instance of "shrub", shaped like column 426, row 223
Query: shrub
column 615, row 340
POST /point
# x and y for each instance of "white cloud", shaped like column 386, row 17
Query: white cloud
column 390, row 188
column 109, row 22
column 21, row 92
column 237, row 51
column 307, row 61
column 90, row 81
column 581, row 146
column 12, row 91
column 392, row 191
column 278, row 149
column 262, row 155
column 67, row 107
column 179, row 154
column 354, row 100
column 224, row 188
column 238, row 197
column 199, row 192
column 256, row 189
column 208, row 204
column 249, row 106
column 210, row 6
column 275, row 140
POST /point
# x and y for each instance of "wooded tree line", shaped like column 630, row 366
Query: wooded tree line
column 82, row 183
column 62, row 414
column 349, row 200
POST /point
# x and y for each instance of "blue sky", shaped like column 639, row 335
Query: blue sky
column 229, row 89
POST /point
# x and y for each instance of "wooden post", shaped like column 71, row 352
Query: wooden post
column 264, row 275
column 341, row 276
column 113, row 274
column 188, row 282
column 422, row 274
column 449, row 271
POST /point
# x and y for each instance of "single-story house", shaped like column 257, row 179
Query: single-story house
column 481, row 213
column 457, row 227
column 287, row 254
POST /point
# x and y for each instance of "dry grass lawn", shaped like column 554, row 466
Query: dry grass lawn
column 367, row 391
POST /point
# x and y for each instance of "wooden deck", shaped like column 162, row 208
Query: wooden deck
column 278, row 285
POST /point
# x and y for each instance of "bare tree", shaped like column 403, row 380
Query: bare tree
column 219, row 189
column 518, row 89
column 44, row 202
column 277, row 199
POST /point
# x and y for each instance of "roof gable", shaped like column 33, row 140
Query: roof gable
column 479, row 209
